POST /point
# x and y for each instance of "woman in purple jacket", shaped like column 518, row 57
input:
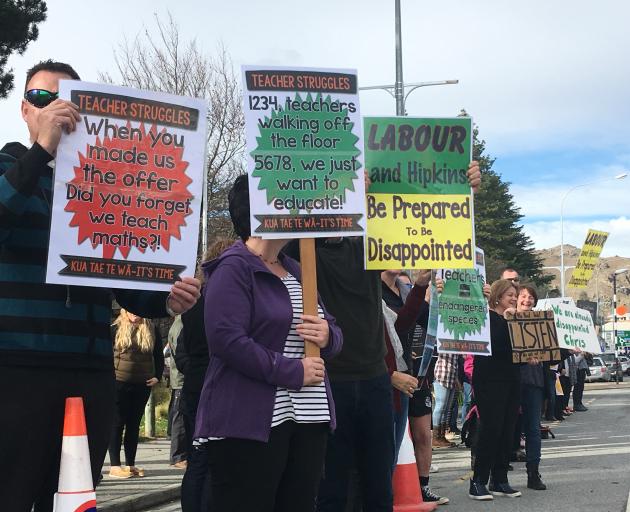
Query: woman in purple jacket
column 265, row 409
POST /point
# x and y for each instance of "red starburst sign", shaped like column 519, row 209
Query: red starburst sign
column 130, row 190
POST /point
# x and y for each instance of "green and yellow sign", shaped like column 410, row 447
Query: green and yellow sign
column 585, row 265
column 419, row 206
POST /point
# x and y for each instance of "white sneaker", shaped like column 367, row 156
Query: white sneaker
column 434, row 468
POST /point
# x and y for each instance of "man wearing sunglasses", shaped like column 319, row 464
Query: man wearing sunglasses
column 54, row 340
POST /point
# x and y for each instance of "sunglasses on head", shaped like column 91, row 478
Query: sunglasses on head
column 40, row 98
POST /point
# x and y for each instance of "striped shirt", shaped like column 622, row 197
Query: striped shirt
column 310, row 403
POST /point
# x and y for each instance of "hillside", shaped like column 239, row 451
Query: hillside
column 598, row 283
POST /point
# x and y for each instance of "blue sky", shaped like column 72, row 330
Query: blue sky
column 546, row 82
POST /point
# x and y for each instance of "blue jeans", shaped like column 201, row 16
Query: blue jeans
column 466, row 400
column 443, row 403
column 400, row 424
column 531, row 405
column 364, row 439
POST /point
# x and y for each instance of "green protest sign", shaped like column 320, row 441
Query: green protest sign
column 304, row 145
column 418, row 156
column 419, row 206
column 464, row 321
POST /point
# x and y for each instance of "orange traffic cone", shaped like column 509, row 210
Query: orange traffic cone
column 406, row 483
column 76, row 489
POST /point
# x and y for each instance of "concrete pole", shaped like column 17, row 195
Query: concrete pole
column 149, row 416
column 614, row 312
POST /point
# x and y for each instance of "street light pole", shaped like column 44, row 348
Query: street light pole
column 399, row 85
column 397, row 90
column 614, row 305
column 562, row 269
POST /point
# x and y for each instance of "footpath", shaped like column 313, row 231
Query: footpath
column 160, row 484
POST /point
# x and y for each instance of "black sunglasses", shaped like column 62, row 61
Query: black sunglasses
column 40, row 98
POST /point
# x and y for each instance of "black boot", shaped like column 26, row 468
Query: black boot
column 533, row 478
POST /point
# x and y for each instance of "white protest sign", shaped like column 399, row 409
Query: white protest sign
column 304, row 152
column 574, row 325
column 127, row 189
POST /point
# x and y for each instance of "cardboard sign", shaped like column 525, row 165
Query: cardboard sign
column 574, row 325
column 304, row 145
column 533, row 334
column 420, row 206
column 464, row 317
column 128, row 187
column 589, row 256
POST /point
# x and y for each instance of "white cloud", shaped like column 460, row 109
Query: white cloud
column 546, row 234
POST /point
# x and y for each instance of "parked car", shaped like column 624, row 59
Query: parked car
column 599, row 371
column 625, row 364
column 613, row 364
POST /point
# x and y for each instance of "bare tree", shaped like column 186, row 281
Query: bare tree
column 164, row 62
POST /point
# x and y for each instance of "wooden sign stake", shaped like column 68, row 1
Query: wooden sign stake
column 309, row 287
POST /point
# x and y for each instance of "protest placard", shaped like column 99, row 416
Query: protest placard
column 587, row 261
column 420, row 206
column 127, row 190
column 533, row 334
column 464, row 317
column 574, row 325
column 430, row 339
column 304, row 145
column 590, row 306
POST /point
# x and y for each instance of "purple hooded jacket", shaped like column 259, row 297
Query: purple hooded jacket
column 247, row 317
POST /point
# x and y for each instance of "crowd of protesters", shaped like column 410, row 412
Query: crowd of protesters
column 262, row 426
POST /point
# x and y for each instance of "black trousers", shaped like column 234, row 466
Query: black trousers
column 281, row 475
column 33, row 406
column 550, row 394
column 498, row 404
column 188, row 407
column 130, row 401
column 578, row 389
column 565, row 382
column 364, row 439
column 196, row 482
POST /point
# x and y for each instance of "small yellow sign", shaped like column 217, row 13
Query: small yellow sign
column 585, row 265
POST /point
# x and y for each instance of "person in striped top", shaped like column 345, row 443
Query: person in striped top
column 265, row 410
column 54, row 340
